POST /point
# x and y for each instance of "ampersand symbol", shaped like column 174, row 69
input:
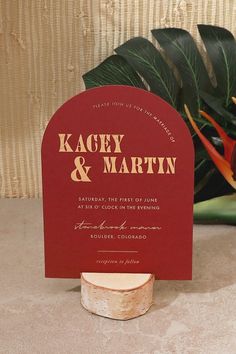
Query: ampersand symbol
column 80, row 173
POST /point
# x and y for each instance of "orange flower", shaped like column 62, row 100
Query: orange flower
column 226, row 164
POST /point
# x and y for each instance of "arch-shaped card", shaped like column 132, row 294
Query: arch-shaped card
column 117, row 166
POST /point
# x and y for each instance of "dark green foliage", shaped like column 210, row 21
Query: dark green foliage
column 149, row 63
column 139, row 63
column 113, row 71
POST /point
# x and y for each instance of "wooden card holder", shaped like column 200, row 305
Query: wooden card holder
column 120, row 296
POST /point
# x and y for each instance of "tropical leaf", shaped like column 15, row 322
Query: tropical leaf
column 203, row 175
column 200, row 153
column 216, row 210
column 113, row 71
column 210, row 185
column 217, row 105
column 148, row 62
column 182, row 50
column 221, row 49
column 139, row 63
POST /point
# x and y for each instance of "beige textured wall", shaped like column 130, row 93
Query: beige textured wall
column 45, row 47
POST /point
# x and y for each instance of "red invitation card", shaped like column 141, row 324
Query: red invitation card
column 117, row 166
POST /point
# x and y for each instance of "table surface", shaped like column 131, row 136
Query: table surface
column 39, row 315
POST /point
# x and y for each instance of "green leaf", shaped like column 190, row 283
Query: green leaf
column 201, row 154
column 182, row 50
column 113, row 71
column 203, row 172
column 217, row 105
column 203, row 181
column 221, row 210
column 224, row 117
column 148, row 62
column 221, row 48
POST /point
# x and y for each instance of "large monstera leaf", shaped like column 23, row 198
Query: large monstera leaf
column 221, row 48
column 149, row 63
column 176, row 72
column 113, row 71
column 182, row 50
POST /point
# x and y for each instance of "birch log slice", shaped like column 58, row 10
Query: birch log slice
column 117, row 295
